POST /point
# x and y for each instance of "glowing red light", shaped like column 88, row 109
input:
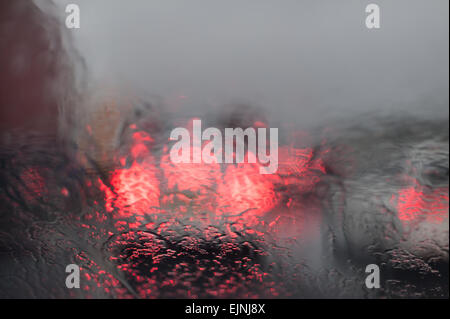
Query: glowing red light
column 417, row 203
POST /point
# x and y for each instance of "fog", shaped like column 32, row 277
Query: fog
column 95, row 187
column 299, row 60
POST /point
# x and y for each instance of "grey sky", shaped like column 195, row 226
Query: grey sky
column 298, row 59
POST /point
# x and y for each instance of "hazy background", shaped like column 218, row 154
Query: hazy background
column 300, row 60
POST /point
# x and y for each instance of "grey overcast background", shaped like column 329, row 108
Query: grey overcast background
column 301, row 60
